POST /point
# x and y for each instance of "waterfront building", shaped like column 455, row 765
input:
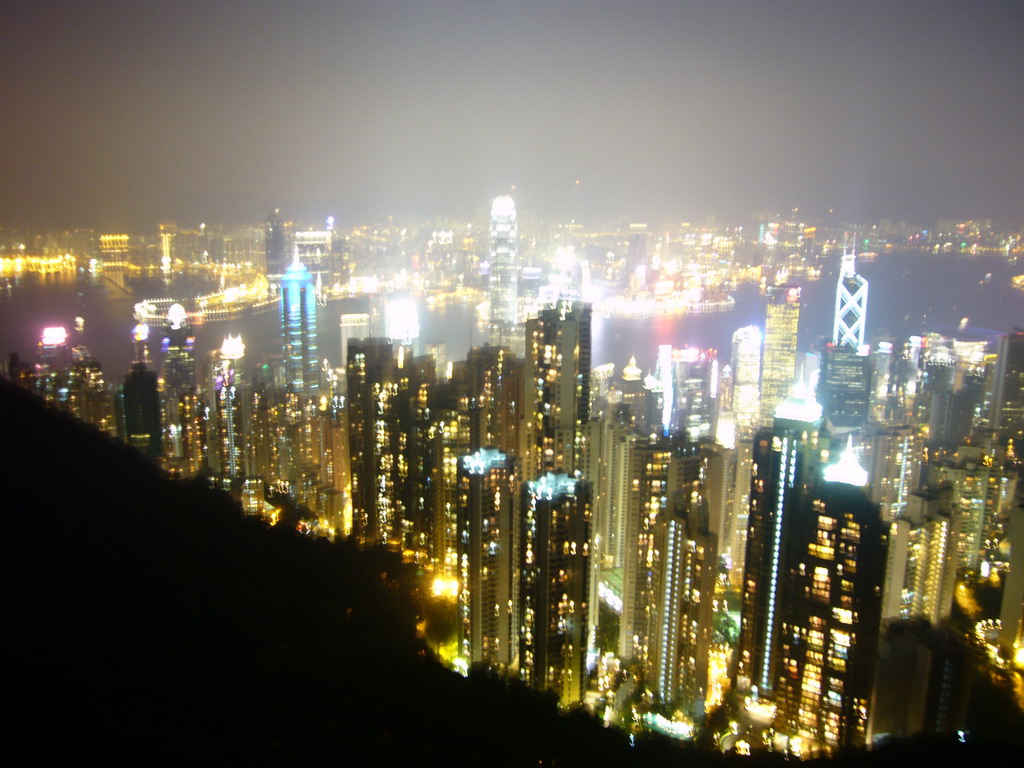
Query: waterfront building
column 298, row 310
column 505, row 328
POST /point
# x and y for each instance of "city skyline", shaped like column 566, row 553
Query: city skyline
column 120, row 115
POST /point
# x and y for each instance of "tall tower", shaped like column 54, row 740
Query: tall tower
column 298, row 330
column 1008, row 397
column 746, row 378
column 557, row 388
column 845, row 377
column 851, row 306
column 179, row 359
column 227, row 383
column 504, row 288
column 786, row 457
column 139, row 401
column 830, row 607
column 780, row 332
column 554, row 562
column 488, row 522
column 276, row 245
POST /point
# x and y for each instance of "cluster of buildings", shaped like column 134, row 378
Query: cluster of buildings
column 777, row 533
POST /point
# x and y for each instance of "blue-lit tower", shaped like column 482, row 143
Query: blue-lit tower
column 298, row 330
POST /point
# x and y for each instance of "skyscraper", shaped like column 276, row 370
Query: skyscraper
column 812, row 586
column 276, row 245
column 488, row 524
column 780, row 333
column 504, row 288
column 851, row 306
column 830, row 609
column 298, row 330
column 139, row 411
column 845, row 377
column 1008, row 397
column 554, row 557
column 786, row 456
column 746, row 378
column 179, row 359
column 227, row 382
column 557, row 388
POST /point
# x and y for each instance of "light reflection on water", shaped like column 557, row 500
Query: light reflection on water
column 948, row 289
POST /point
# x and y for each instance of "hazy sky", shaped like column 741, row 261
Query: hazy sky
column 122, row 114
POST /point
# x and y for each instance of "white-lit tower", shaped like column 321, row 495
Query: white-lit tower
column 227, row 381
column 504, row 266
column 746, row 378
column 851, row 306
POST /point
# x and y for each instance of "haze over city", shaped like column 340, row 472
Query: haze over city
column 120, row 114
column 521, row 383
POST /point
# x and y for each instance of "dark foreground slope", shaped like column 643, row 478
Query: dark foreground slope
column 142, row 617
column 144, row 620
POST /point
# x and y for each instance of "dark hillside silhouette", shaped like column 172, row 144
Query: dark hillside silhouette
column 146, row 620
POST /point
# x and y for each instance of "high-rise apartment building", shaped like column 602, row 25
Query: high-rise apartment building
column 557, row 397
column 554, row 563
column 780, row 335
column 488, row 526
column 921, row 564
column 896, row 453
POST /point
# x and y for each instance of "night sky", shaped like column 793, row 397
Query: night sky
column 122, row 114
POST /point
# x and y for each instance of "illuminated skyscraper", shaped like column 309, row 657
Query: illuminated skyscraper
column 780, row 333
column 298, row 330
column 554, row 557
column 488, row 522
column 895, row 467
column 830, row 608
column 505, row 328
column 557, row 388
column 179, row 359
column 695, row 392
column 786, row 456
column 1008, row 397
column 746, row 378
column 851, row 307
column 845, row 376
column 812, row 586
column 227, row 382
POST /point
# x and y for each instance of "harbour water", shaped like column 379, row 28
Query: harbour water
column 910, row 293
